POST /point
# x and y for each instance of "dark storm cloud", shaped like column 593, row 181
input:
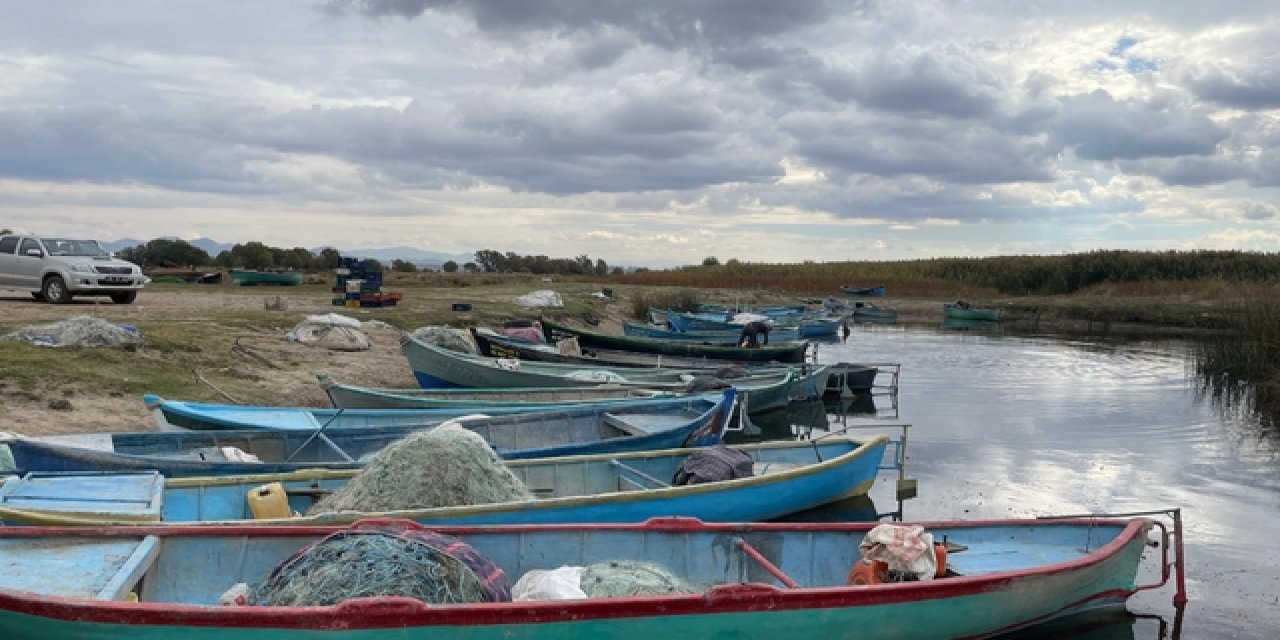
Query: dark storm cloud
column 118, row 144
column 1251, row 89
column 939, row 149
column 639, row 144
column 663, row 22
column 1098, row 127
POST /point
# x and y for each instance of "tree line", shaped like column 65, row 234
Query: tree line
column 170, row 252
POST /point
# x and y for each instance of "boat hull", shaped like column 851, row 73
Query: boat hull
column 789, row 353
column 603, row 488
column 752, row 606
column 971, row 313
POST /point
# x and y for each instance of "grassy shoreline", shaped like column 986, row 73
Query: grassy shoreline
column 190, row 332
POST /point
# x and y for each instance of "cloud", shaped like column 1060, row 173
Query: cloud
column 1098, row 127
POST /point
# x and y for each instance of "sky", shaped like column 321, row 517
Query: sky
column 656, row 132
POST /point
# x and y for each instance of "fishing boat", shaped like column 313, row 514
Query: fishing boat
column 724, row 337
column 962, row 311
column 622, row 487
column 875, row 291
column 248, row 278
column 569, row 351
column 762, row 391
column 223, row 452
column 805, row 327
column 638, row 416
column 866, row 310
column 759, row 581
column 775, row 351
column 437, row 367
column 842, row 377
column 346, row 396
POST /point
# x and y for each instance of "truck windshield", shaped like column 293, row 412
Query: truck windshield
column 66, row 247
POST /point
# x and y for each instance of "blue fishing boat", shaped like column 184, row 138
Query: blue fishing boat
column 223, row 452
column 805, row 327
column 878, row 290
column 775, row 352
column 654, row 414
column 622, row 487
column 759, row 581
column 725, row 338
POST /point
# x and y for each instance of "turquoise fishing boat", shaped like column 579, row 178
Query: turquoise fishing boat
column 728, row 338
column 624, row 487
column 437, row 367
column 867, row 311
column 249, row 278
column 958, row 311
column 759, row 581
column 761, row 391
column 255, row 451
column 653, row 414
column 346, row 396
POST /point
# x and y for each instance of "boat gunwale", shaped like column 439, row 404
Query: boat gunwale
column 860, row 447
column 396, row 612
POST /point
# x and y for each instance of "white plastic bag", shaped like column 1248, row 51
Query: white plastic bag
column 540, row 298
column 564, row 583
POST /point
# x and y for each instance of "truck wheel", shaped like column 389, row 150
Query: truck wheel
column 38, row 296
column 55, row 290
column 124, row 298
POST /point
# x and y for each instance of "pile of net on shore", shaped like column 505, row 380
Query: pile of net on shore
column 78, row 331
column 441, row 467
column 446, row 338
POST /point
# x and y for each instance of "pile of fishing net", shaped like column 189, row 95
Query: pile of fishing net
column 331, row 331
column 615, row 579
column 441, row 467
column 79, row 331
column 446, row 338
column 385, row 561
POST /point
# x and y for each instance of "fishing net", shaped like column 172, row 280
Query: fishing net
column 79, row 331
column 441, row 467
column 705, row 383
column 728, row 372
column 628, row 578
column 412, row 563
column 446, row 338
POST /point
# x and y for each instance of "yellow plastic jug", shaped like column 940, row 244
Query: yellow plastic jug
column 269, row 501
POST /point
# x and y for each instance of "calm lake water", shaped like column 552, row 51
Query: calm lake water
column 1020, row 426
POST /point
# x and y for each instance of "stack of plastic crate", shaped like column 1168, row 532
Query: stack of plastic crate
column 359, row 284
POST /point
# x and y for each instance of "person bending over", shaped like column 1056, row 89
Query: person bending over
column 754, row 334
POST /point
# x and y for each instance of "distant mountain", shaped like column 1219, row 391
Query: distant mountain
column 420, row 257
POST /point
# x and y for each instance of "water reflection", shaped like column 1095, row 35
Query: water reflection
column 1109, row 624
column 1008, row 425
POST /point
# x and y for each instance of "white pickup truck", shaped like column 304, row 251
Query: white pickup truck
column 55, row 269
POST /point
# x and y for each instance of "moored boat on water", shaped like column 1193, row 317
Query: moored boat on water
column 221, row 452
column 784, row 352
column 866, row 310
column 754, row 581
column 644, row 415
column 728, row 338
column 616, row 487
column 963, row 311
column 876, row 291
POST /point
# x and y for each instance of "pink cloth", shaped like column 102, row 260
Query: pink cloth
column 528, row 334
